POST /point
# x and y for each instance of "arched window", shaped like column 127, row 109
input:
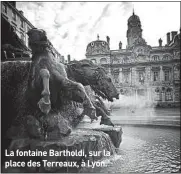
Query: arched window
column 158, row 94
column 155, row 58
column 103, row 60
column 168, row 94
column 166, row 57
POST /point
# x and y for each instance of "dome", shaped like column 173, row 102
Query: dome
column 134, row 20
column 97, row 47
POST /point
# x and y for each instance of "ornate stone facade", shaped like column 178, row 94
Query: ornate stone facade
column 150, row 72
column 14, row 19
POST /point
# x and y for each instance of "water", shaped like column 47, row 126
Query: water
column 145, row 149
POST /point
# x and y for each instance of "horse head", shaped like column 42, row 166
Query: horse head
column 37, row 39
column 88, row 73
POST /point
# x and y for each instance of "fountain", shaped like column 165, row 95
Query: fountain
column 42, row 115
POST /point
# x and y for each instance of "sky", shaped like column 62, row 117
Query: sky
column 70, row 26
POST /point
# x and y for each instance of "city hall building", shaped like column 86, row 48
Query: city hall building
column 141, row 70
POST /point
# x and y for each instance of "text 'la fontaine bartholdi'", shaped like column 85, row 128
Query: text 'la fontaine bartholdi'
column 50, row 152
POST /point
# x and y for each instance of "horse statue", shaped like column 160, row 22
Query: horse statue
column 88, row 73
column 38, row 88
column 49, row 78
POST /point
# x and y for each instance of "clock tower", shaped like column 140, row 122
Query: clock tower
column 134, row 31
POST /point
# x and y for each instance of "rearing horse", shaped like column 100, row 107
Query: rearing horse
column 48, row 79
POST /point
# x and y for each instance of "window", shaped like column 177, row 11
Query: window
column 165, row 57
column 168, row 95
column 103, row 43
column 116, row 78
column 158, row 95
column 155, row 58
column 14, row 16
column 103, row 61
column 92, row 44
column 166, row 76
column 177, row 95
column 4, row 8
column 141, row 77
column 22, row 37
column 126, row 77
column 22, row 23
column 176, row 73
column 155, row 76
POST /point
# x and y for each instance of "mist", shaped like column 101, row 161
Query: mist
column 134, row 101
column 133, row 107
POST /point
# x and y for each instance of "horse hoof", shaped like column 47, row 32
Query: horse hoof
column 44, row 106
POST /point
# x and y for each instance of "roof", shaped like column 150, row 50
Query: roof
column 133, row 18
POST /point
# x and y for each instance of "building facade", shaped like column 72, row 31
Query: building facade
column 17, row 20
column 19, row 24
column 141, row 70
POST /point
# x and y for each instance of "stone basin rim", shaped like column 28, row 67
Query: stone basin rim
column 150, row 125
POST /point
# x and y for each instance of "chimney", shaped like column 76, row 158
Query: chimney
column 68, row 57
column 168, row 38
column 21, row 12
column 174, row 33
column 120, row 45
column 108, row 40
column 160, row 42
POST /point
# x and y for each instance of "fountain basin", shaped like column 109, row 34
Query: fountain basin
column 85, row 140
column 115, row 133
